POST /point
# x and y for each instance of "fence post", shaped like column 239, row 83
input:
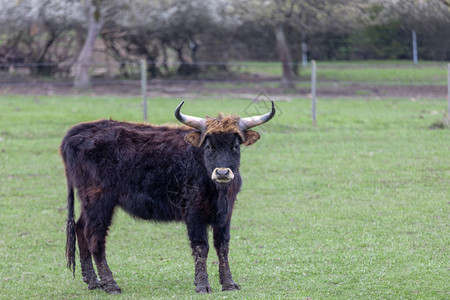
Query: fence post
column 448, row 91
column 414, row 44
column 313, row 91
column 144, row 86
column 304, row 54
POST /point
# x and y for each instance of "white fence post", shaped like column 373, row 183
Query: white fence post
column 448, row 91
column 414, row 44
column 313, row 91
column 304, row 54
column 144, row 87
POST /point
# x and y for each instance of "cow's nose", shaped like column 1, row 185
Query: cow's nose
column 222, row 172
column 222, row 175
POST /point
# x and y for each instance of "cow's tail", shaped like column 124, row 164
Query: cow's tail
column 70, row 230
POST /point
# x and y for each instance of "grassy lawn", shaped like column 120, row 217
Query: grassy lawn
column 368, row 72
column 356, row 208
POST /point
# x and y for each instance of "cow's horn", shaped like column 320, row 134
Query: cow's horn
column 194, row 122
column 247, row 123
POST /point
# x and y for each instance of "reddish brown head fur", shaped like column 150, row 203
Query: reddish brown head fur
column 222, row 124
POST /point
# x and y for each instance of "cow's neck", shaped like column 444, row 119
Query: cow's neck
column 224, row 203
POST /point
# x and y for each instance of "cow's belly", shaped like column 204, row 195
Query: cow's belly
column 157, row 207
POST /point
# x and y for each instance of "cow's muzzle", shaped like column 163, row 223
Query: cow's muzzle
column 222, row 175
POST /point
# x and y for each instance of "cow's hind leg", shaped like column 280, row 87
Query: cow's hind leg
column 98, row 219
column 87, row 269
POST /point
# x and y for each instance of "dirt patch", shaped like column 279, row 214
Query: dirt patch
column 192, row 89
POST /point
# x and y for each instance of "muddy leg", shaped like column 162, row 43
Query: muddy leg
column 107, row 281
column 201, row 282
column 199, row 244
column 221, row 240
column 96, row 230
column 87, row 269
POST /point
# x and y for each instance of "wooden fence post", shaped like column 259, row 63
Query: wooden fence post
column 144, row 87
column 313, row 91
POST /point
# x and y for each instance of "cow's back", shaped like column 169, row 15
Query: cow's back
column 143, row 167
column 91, row 141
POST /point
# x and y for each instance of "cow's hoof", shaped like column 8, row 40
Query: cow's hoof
column 203, row 289
column 113, row 290
column 91, row 280
column 94, row 284
column 111, row 287
column 230, row 287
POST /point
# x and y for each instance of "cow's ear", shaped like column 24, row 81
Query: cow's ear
column 251, row 137
column 193, row 138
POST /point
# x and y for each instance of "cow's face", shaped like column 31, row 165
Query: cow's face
column 222, row 154
column 221, row 139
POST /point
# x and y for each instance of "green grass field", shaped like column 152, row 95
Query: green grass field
column 355, row 208
column 366, row 72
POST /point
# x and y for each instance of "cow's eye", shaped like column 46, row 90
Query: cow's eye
column 209, row 147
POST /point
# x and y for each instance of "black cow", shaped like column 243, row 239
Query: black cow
column 162, row 173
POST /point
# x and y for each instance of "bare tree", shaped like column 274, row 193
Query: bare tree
column 84, row 61
column 308, row 16
column 97, row 14
column 39, row 31
column 150, row 29
column 285, row 57
column 412, row 11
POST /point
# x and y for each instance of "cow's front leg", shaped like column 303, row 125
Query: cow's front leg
column 199, row 243
column 221, row 241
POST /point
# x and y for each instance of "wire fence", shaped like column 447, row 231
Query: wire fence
column 357, row 78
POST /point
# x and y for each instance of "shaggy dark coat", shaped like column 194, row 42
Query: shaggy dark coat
column 153, row 173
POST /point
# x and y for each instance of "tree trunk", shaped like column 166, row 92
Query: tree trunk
column 285, row 58
column 165, row 58
column 95, row 23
